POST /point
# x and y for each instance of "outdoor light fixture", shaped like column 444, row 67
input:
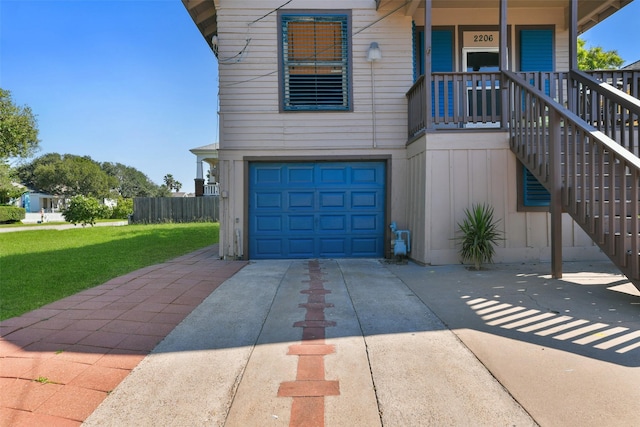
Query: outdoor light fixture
column 374, row 52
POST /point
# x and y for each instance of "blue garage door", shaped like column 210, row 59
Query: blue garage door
column 316, row 210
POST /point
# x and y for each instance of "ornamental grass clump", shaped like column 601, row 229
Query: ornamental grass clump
column 479, row 235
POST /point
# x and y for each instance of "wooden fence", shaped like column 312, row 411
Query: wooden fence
column 147, row 210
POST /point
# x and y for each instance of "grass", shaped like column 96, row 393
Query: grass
column 42, row 266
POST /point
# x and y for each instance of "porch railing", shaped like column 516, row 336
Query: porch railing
column 588, row 174
column 453, row 96
column 211, row 190
column 458, row 100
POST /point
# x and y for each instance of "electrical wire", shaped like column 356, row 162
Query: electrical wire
column 371, row 24
column 267, row 14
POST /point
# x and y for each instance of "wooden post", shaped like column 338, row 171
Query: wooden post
column 573, row 34
column 504, row 65
column 572, row 95
column 427, row 65
column 555, row 176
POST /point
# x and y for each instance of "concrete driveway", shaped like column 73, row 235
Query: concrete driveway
column 567, row 350
column 363, row 342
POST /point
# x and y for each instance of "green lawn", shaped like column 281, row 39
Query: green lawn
column 41, row 266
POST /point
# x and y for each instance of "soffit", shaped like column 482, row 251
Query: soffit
column 590, row 12
column 204, row 15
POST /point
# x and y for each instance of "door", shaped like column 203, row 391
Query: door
column 316, row 210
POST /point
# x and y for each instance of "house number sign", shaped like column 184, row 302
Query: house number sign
column 480, row 38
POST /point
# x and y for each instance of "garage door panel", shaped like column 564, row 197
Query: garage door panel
column 267, row 175
column 267, row 248
column 301, row 200
column 266, row 223
column 366, row 175
column 332, row 175
column 301, row 222
column 301, row 248
column 309, row 210
column 300, row 175
column 333, row 223
column 333, row 247
column 369, row 223
column 364, row 199
column 269, row 200
column 332, row 199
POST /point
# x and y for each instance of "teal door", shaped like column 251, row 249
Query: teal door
column 316, row 210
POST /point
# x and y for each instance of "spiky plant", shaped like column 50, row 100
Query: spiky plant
column 479, row 235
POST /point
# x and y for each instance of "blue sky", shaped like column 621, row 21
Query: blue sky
column 620, row 31
column 121, row 81
column 133, row 81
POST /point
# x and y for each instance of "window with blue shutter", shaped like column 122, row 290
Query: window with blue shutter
column 536, row 54
column 536, row 51
column 441, row 61
column 315, row 62
column 534, row 193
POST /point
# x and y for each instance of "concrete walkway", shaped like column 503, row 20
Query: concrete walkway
column 46, row 226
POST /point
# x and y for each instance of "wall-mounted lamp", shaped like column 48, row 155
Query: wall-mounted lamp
column 374, row 52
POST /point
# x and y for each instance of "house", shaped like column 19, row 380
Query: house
column 337, row 118
column 206, row 154
column 632, row 66
column 35, row 202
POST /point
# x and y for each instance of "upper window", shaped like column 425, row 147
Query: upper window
column 315, row 62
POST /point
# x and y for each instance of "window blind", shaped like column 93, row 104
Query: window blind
column 315, row 62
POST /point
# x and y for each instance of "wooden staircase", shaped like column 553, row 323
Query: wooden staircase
column 580, row 138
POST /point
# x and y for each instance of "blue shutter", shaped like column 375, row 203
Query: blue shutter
column 441, row 50
column 534, row 193
column 536, row 54
column 536, row 50
column 442, row 61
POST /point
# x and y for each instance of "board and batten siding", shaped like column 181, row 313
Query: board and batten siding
column 460, row 169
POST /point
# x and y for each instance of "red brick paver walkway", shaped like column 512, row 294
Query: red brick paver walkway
column 310, row 387
column 58, row 363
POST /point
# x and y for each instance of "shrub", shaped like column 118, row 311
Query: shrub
column 104, row 212
column 123, row 209
column 479, row 235
column 10, row 214
column 82, row 210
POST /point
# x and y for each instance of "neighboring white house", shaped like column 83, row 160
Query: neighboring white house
column 35, row 202
column 206, row 154
column 324, row 139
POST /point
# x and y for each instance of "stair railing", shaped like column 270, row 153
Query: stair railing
column 588, row 174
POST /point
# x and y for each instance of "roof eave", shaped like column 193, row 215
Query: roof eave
column 204, row 15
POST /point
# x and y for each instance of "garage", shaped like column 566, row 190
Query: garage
column 316, row 210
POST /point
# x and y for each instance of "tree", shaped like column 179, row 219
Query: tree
column 82, row 210
column 171, row 183
column 131, row 182
column 163, row 191
column 596, row 58
column 18, row 128
column 67, row 175
column 8, row 187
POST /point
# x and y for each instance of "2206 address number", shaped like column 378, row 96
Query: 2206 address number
column 482, row 38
